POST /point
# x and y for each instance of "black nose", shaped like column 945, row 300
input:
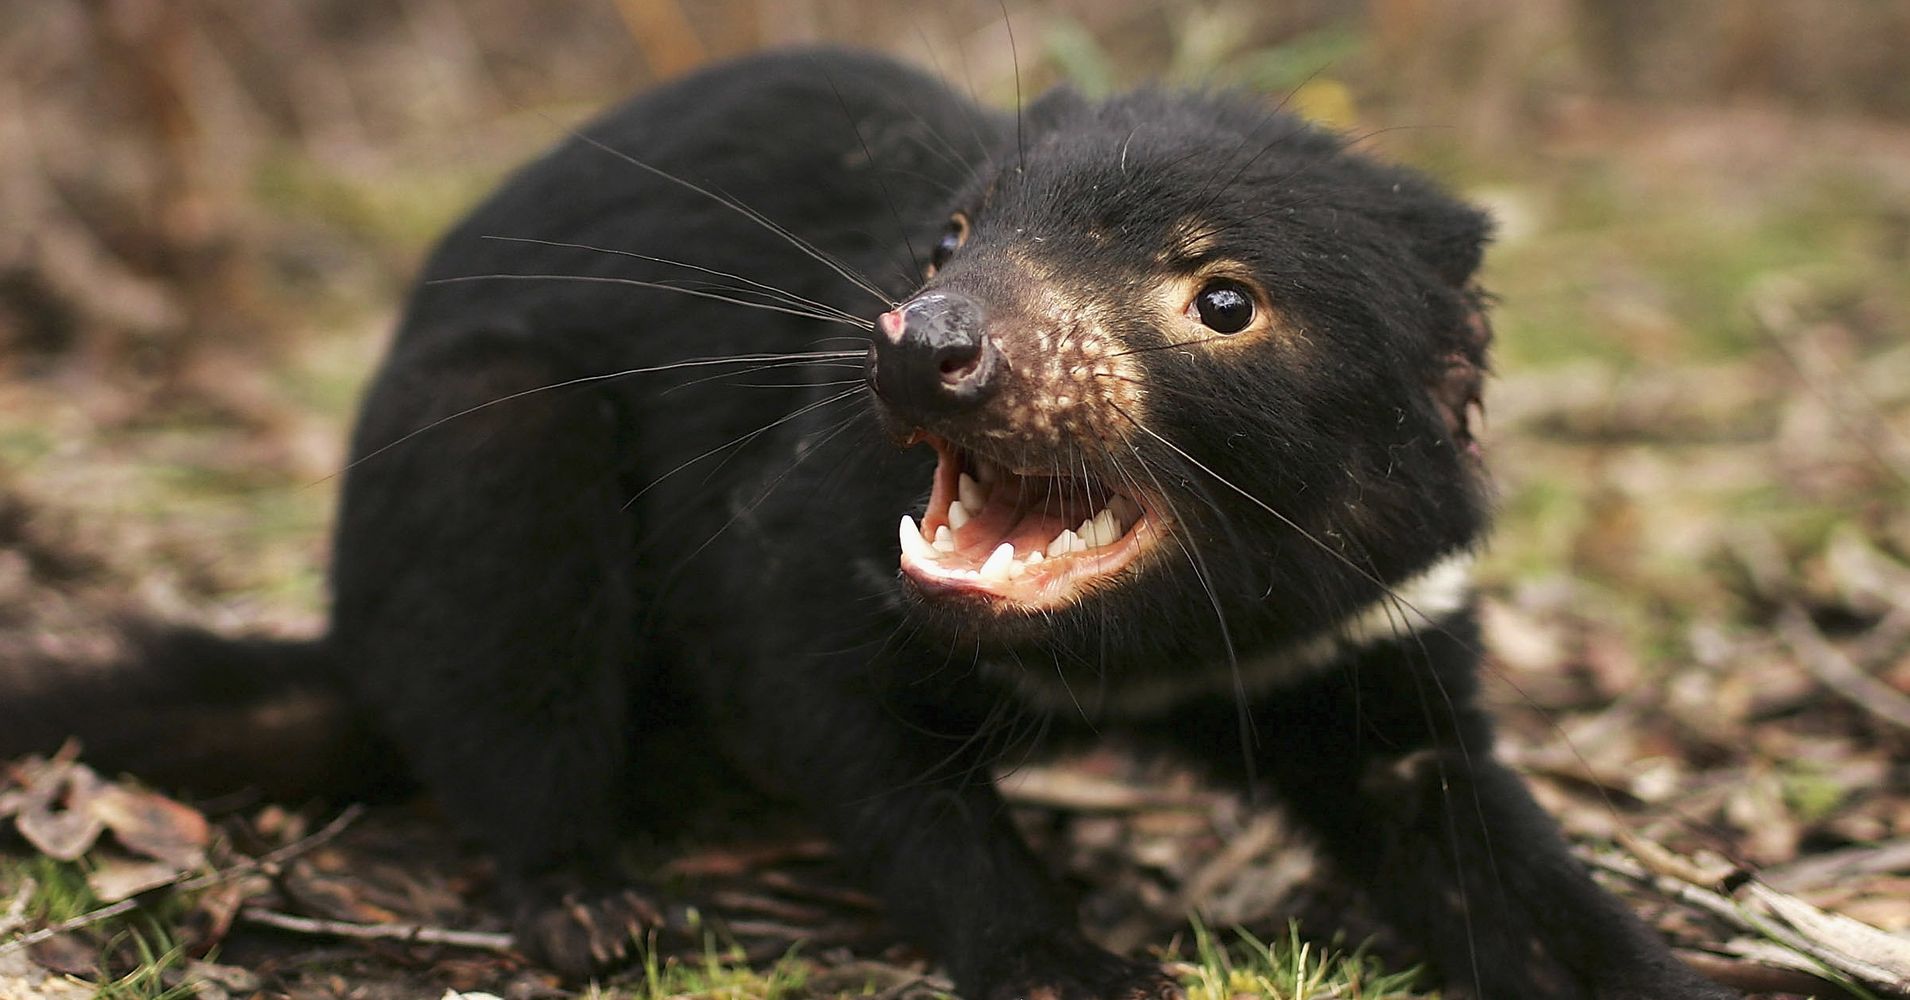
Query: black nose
column 933, row 356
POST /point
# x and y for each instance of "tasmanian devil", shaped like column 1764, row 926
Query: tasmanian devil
column 875, row 433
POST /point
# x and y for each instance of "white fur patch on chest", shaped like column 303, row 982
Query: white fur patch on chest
column 1426, row 601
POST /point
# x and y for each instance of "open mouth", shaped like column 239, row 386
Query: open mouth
column 1032, row 539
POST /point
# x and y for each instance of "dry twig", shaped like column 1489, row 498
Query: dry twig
column 265, row 862
column 1829, row 665
column 408, row 933
column 1843, row 948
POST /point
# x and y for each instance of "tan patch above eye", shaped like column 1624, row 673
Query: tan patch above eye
column 1191, row 243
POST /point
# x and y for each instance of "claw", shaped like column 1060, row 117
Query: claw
column 580, row 933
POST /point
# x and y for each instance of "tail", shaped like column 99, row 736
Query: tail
column 184, row 708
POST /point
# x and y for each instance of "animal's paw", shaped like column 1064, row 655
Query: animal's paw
column 579, row 932
column 1072, row 969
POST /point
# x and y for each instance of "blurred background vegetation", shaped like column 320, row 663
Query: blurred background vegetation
column 1700, row 423
column 212, row 207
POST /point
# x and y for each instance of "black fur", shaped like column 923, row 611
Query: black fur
column 512, row 616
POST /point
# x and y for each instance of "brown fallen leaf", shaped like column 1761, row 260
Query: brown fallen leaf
column 54, row 810
column 154, row 825
column 115, row 878
column 61, row 807
column 67, row 954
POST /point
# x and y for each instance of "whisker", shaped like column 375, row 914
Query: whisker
column 742, row 439
column 1232, row 404
column 1249, row 736
column 1439, row 765
column 882, row 185
column 953, row 156
column 1014, row 53
column 784, row 294
column 1288, row 178
column 659, row 285
column 1210, row 191
column 1165, row 347
column 797, row 385
column 838, row 337
column 827, row 260
column 769, row 489
column 768, row 367
column 1284, row 519
column 581, row 380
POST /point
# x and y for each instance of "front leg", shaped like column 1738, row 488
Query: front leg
column 1388, row 762
column 483, row 597
column 911, row 803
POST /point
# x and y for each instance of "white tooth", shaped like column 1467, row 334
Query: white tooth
column 971, row 492
column 913, row 544
column 944, row 539
column 957, row 515
column 1062, row 543
column 1017, row 569
column 996, row 568
column 1125, row 511
column 1076, row 543
column 1033, row 558
column 1084, row 527
column 1106, row 529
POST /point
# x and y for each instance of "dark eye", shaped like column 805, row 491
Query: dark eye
column 1224, row 306
column 951, row 240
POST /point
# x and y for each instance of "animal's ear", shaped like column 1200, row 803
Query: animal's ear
column 1448, row 235
column 1458, row 377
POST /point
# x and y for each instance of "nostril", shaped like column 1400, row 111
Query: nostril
column 958, row 366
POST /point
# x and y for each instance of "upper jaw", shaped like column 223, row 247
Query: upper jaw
column 1014, row 537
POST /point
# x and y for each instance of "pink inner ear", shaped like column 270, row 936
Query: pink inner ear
column 1456, row 388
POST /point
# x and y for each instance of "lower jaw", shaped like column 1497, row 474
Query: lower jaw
column 1051, row 588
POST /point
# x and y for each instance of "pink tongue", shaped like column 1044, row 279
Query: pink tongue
column 1004, row 520
column 981, row 535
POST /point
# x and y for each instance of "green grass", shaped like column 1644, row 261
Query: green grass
column 719, row 974
column 1648, row 272
column 1284, row 969
column 1289, row 969
column 156, row 954
column 60, row 890
column 136, row 950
